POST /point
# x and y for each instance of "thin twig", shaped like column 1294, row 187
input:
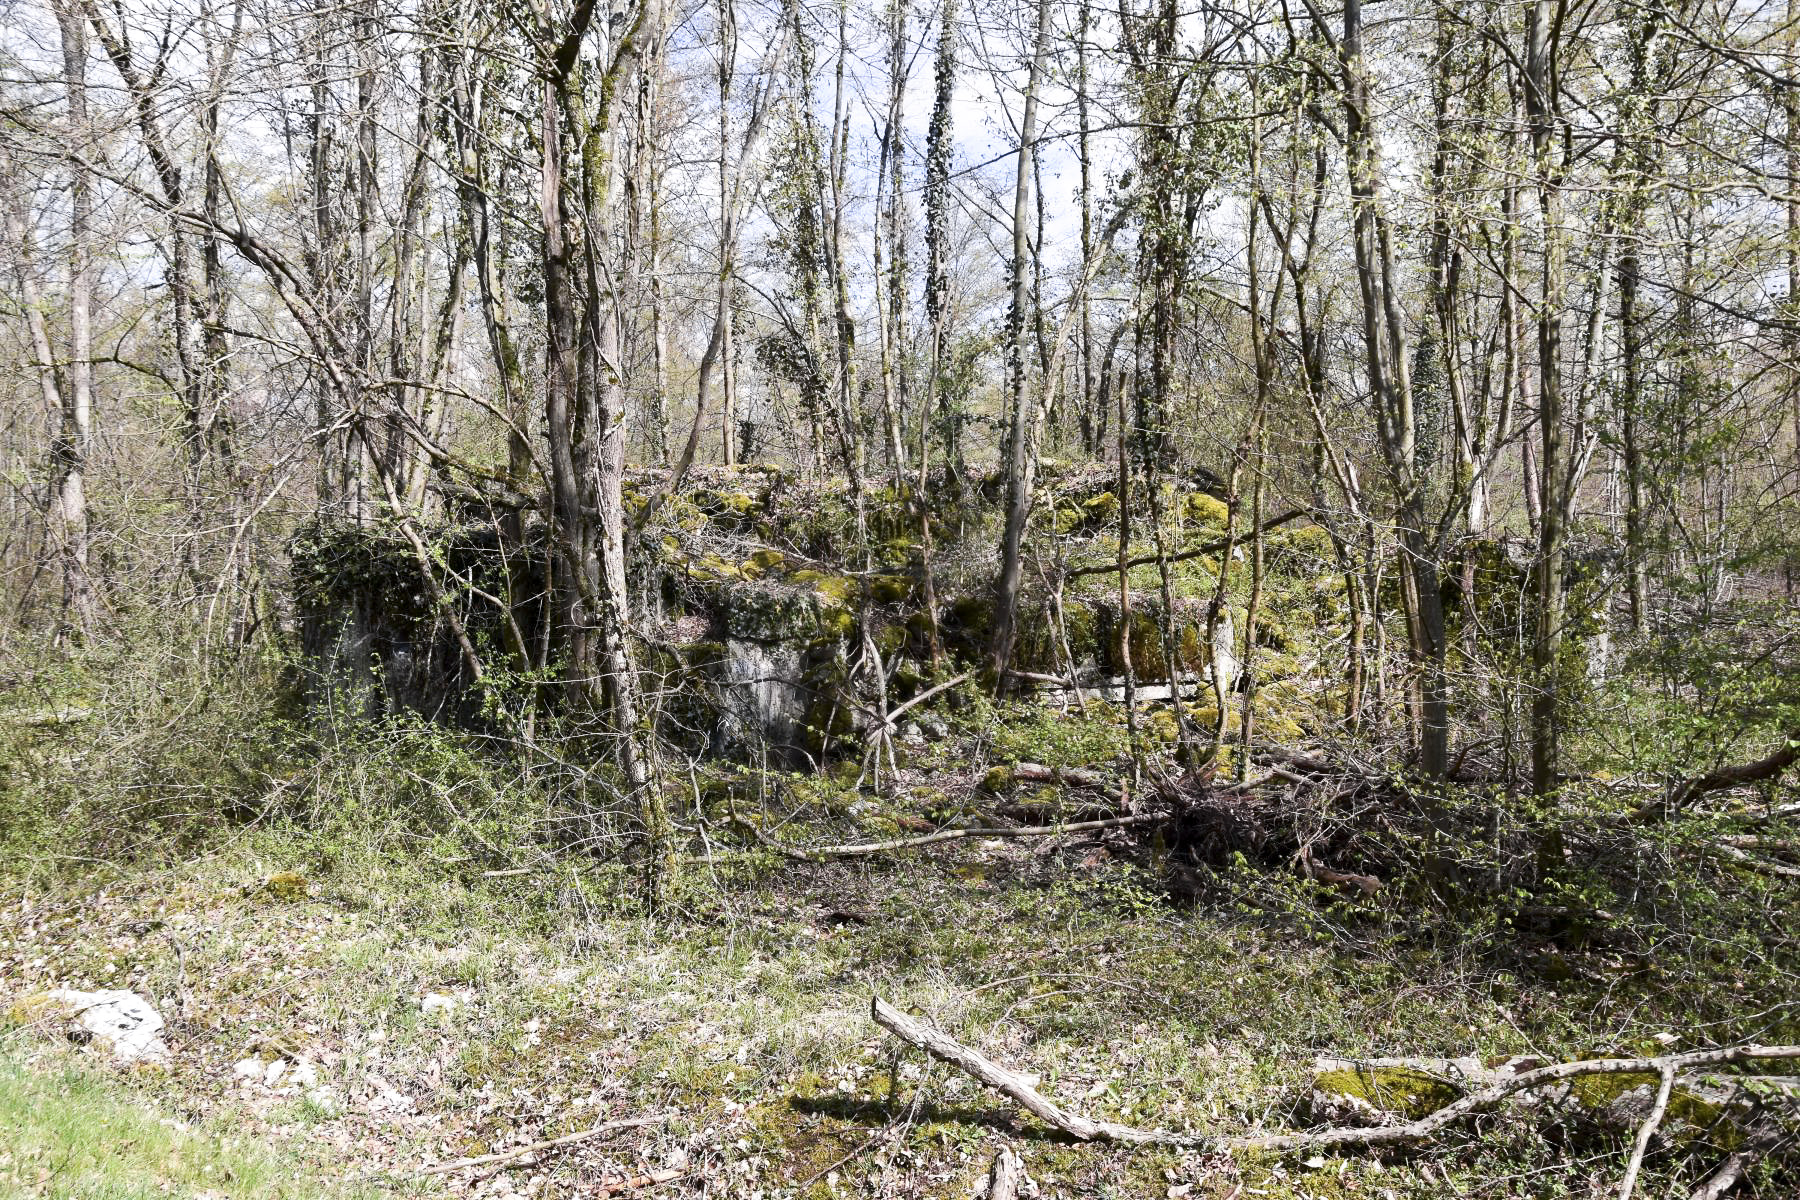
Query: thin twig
column 567, row 1139
column 1647, row 1131
column 634, row 1182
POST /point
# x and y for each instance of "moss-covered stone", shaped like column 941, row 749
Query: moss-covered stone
column 833, row 589
column 711, row 566
column 1142, row 639
column 834, row 625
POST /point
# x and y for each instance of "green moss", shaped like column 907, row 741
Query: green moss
column 998, row 780
column 1686, row 1108
column 1206, row 509
column 1190, row 647
column 31, row 1008
column 890, row 640
column 711, row 566
column 1082, row 628
column 285, row 885
column 1309, row 545
column 1143, row 639
column 803, row 1133
column 1402, row 1090
column 762, row 563
column 736, row 502
column 973, row 615
column 834, row 624
column 835, row 589
column 1598, row 1091
column 890, row 589
column 1278, row 728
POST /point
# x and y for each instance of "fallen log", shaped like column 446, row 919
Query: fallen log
column 1441, row 1116
column 1368, row 885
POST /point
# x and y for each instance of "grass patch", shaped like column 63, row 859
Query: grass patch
column 69, row 1132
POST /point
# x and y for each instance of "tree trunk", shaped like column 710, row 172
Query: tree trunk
column 75, row 434
column 1553, row 468
column 1019, row 460
column 1390, row 380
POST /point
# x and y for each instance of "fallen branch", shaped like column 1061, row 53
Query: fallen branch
column 1737, row 1164
column 567, row 1139
column 928, row 693
column 1486, row 1098
column 1007, row 1173
column 1074, row 777
column 1014, row 1086
column 1040, row 677
column 1647, row 1131
column 1299, row 761
column 1750, row 861
column 638, row 1182
column 1738, row 774
column 866, row 849
column 1145, row 560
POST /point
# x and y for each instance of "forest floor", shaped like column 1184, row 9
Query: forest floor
column 401, row 1012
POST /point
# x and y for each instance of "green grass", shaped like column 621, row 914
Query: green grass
column 70, row 1132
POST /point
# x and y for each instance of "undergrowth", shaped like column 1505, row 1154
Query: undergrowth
column 312, row 882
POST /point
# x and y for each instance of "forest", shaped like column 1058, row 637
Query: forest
column 899, row 598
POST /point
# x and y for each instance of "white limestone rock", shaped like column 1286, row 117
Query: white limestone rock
column 122, row 1022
